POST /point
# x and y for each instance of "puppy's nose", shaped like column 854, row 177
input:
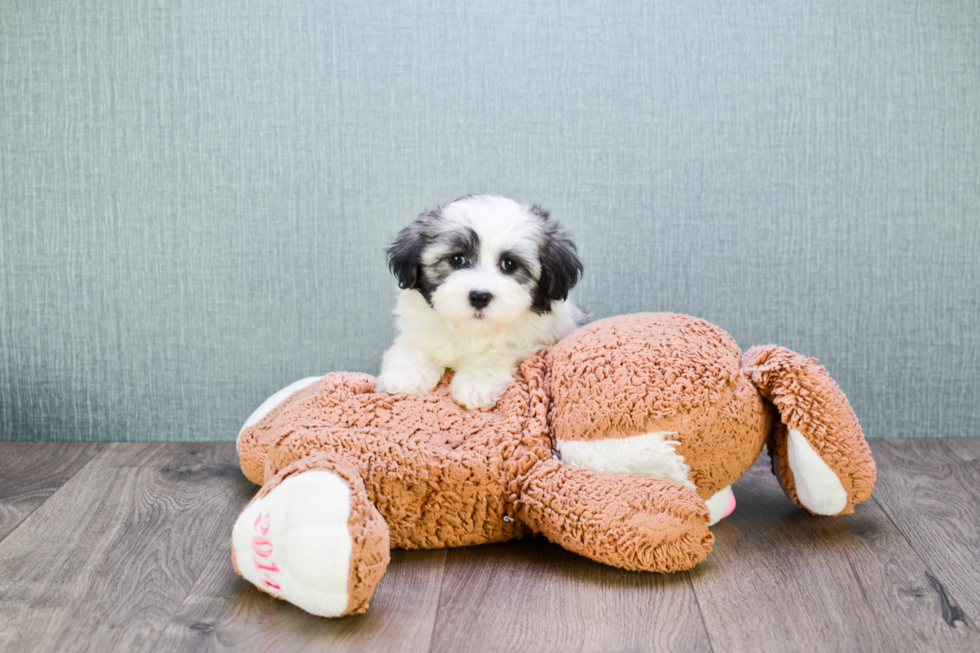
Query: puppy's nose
column 480, row 298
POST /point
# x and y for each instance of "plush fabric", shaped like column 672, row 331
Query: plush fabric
column 371, row 543
column 431, row 474
column 812, row 403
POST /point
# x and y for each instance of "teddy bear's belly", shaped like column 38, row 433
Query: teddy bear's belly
column 432, row 491
column 437, row 499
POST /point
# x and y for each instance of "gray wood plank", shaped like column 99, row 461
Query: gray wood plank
column 104, row 563
column 780, row 579
column 535, row 596
column 30, row 472
column 225, row 613
column 967, row 450
column 931, row 494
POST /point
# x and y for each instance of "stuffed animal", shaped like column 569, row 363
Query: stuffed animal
column 620, row 443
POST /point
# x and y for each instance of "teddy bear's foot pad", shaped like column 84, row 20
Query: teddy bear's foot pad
column 817, row 485
column 295, row 542
column 720, row 505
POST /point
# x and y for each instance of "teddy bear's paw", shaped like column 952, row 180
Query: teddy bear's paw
column 478, row 389
column 720, row 505
column 295, row 542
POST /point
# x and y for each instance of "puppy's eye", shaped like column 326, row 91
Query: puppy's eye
column 508, row 265
column 457, row 260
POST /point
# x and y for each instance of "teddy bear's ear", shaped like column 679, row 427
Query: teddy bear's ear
column 818, row 450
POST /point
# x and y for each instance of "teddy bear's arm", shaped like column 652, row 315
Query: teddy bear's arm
column 632, row 522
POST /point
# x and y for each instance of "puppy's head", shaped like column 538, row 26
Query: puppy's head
column 482, row 262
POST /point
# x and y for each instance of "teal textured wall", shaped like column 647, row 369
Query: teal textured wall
column 195, row 196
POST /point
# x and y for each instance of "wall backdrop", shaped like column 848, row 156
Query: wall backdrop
column 195, row 196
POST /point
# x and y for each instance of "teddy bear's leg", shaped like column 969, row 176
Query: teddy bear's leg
column 312, row 537
column 818, row 450
column 254, row 437
column 633, row 522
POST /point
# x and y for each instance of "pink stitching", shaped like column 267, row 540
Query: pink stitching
column 263, row 548
column 269, row 567
column 269, row 583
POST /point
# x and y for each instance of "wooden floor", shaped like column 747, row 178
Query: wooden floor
column 125, row 547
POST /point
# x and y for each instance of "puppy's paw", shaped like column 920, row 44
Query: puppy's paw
column 414, row 380
column 479, row 389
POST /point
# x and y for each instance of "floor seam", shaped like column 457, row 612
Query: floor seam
column 442, row 583
column 61, row 487
column 697, row 602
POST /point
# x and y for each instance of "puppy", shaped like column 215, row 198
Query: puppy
column 484, row 284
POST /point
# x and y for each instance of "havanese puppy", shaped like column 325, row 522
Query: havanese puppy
column 484, row 283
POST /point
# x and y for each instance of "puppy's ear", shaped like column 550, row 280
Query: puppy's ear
column 560, row 265
column 405, row 254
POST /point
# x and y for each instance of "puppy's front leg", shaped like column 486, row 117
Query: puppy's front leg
column 405, row 369
column 476, row 386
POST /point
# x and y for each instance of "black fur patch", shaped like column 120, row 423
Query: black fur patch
column 522, row 273
column 560, row 266
column 463, row 241
column 405, row 254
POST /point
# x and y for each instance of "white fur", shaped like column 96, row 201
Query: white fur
column 484, row 347
column 309, row 539
column 484, row 365
column 274, row 401
column 817, row 486
column 648, row 454
column 451, row 302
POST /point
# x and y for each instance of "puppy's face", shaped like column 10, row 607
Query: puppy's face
column 483, row 262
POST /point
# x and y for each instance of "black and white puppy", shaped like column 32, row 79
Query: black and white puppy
column 484, row 283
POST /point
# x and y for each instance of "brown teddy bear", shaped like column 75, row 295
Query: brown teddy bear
column 619, row 443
